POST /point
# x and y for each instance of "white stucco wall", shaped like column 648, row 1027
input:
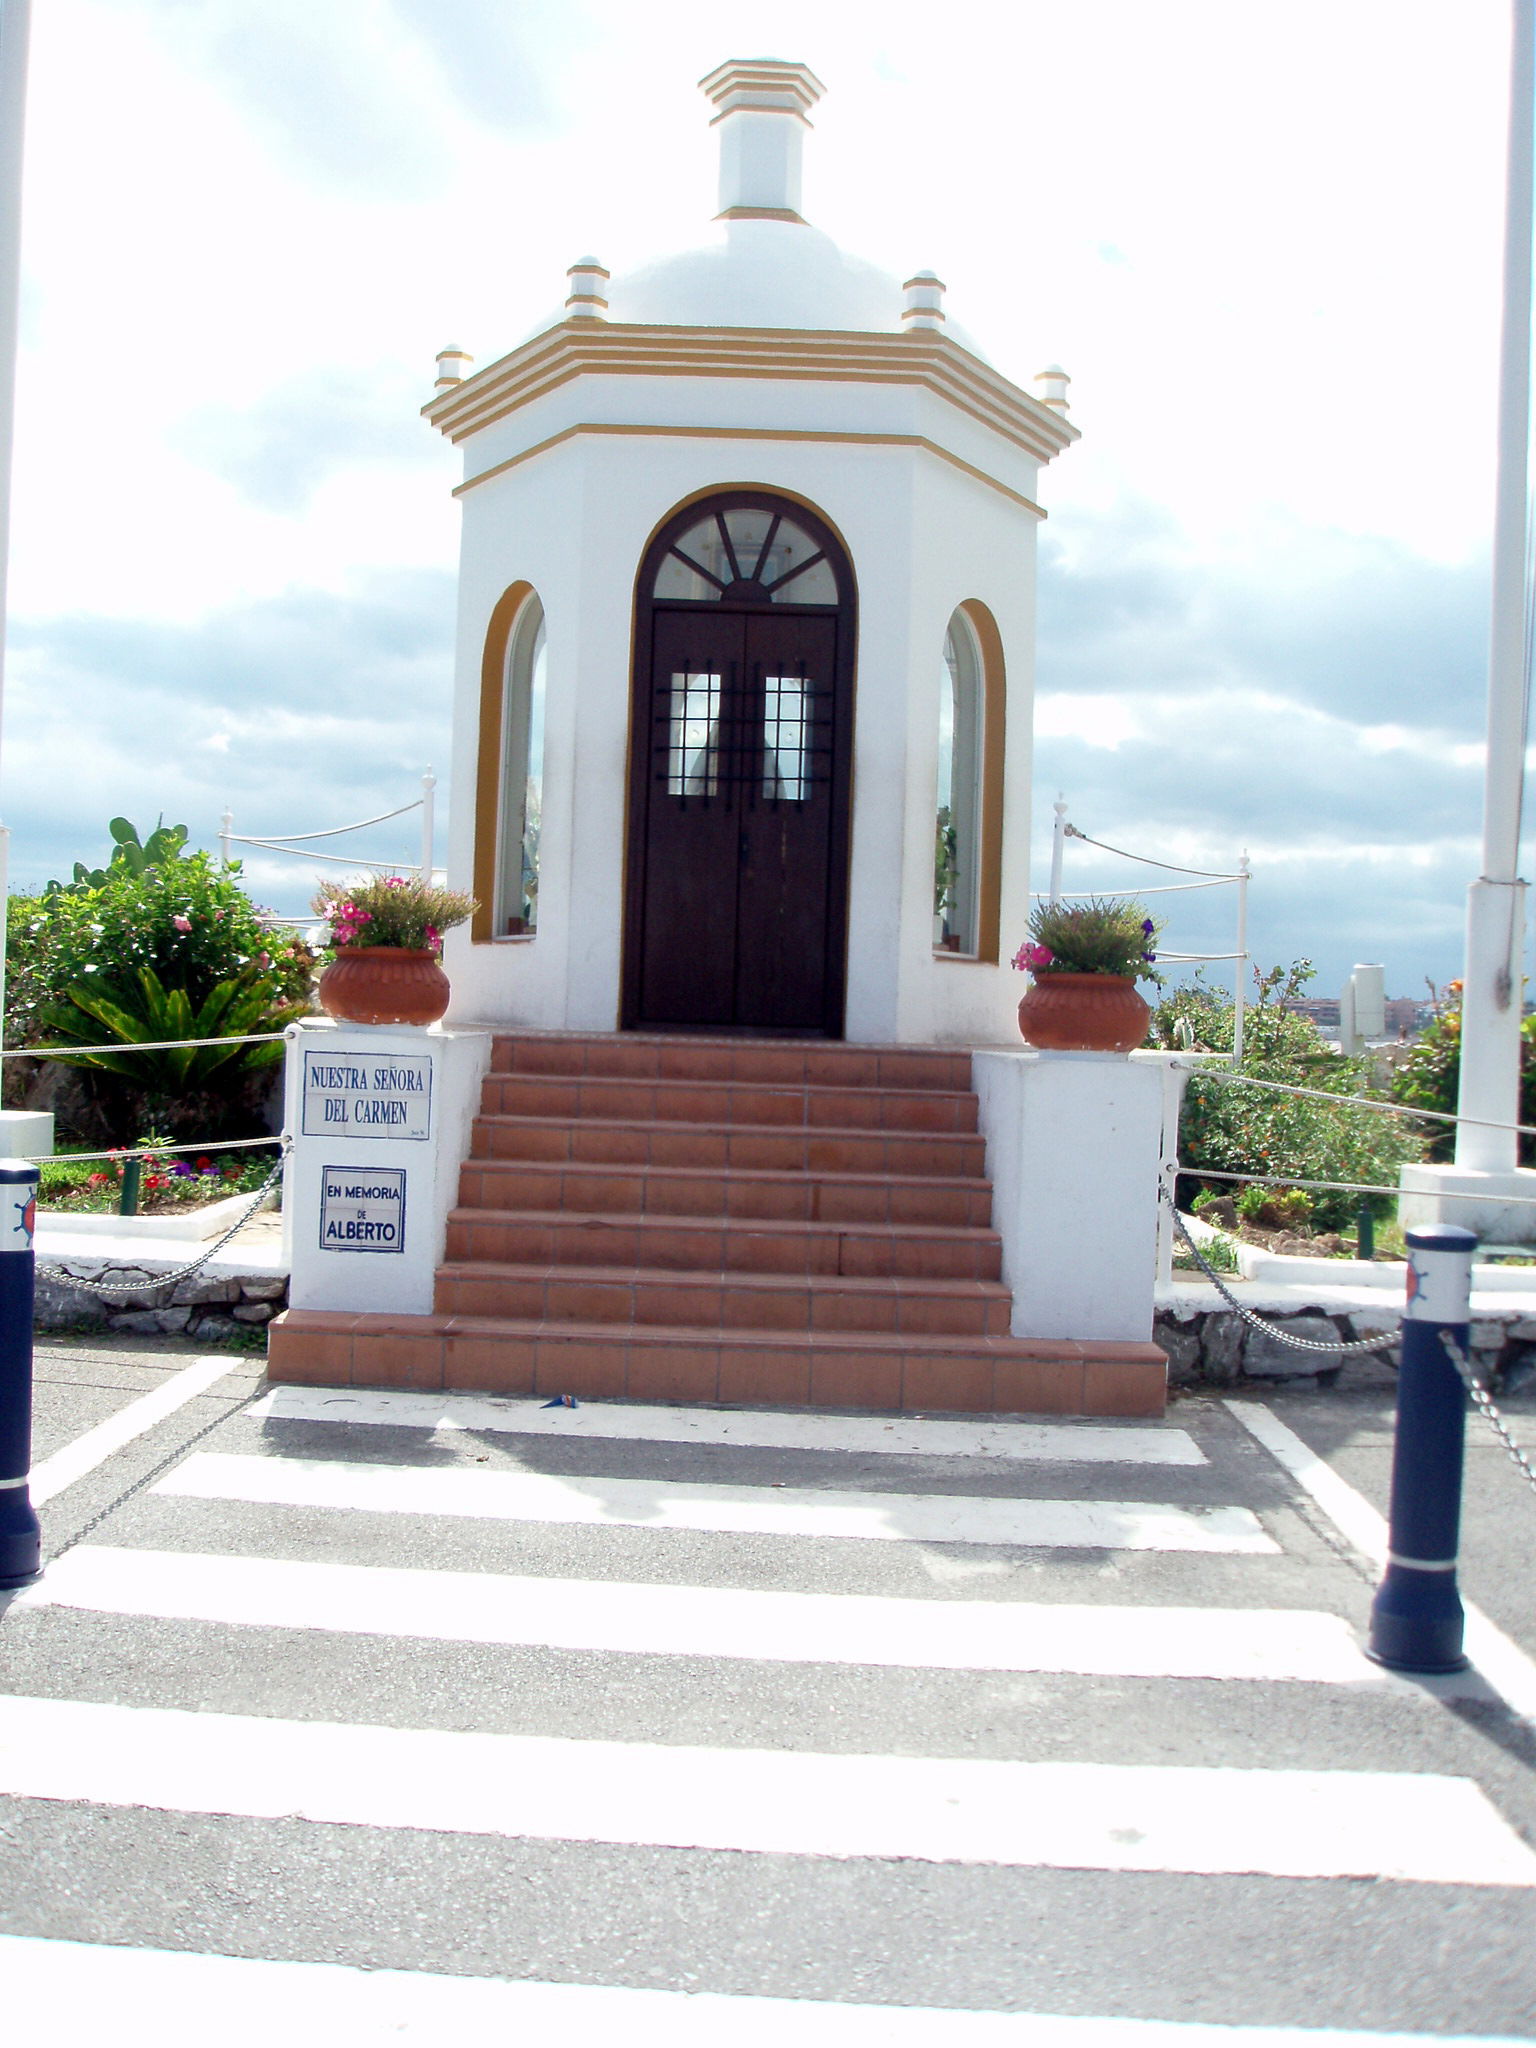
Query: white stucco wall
column 924, row 536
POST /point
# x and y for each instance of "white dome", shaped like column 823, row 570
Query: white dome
column 760, row 273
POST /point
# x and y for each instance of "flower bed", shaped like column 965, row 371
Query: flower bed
column 167, row 1187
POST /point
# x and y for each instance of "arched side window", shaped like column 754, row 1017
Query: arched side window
column 968, row 817
column 509, row 787
column 522, row 777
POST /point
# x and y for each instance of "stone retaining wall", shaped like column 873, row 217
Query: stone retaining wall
column 1215, row 1347
column 207, row 1305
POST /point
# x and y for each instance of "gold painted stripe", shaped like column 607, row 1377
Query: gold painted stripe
column 757, row 434
column 762, row 213
column 921, row 356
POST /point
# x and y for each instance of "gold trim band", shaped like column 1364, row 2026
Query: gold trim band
column 919, row 441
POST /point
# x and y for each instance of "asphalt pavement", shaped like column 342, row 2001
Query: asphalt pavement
column 401, row 1717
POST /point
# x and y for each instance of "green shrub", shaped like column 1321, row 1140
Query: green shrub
column 1430, row 1076
column 151, row 949
column 1228, row 1128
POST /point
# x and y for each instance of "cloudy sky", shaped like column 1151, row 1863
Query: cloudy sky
column 1264, row 240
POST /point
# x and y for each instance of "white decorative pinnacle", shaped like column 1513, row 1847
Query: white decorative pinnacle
column 453, row 366
column 925, row 301
column 761, row 114
column 589, row 296
column 1051, row 384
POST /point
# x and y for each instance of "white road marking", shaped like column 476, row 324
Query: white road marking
column 1064, row 1443
column 75, row 1460
column 739, row 1510
column 695, row 1621
column 126, row 1995
column 1498, row 1657
column 1070, row 1816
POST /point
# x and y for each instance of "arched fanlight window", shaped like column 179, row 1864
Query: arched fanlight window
column 752, row 555
column 957, row 826
column 522, row 776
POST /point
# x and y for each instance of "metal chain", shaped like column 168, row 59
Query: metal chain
column 1338, row 1349
column 1484, row 1402
column 160, row 1280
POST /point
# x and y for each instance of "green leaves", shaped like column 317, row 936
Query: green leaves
column 95, row 1013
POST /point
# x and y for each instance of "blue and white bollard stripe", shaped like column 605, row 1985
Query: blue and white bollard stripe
column 20, row 1535
column 1416, row 1619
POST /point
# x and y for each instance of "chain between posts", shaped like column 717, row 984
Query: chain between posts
column 160, row 1280
column 1338, row 1349
column 1484, row 1403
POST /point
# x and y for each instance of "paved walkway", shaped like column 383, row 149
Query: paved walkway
column 397, row 1717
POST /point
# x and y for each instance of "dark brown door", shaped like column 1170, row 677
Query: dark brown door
column 739, row 829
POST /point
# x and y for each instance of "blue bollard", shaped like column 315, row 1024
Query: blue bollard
column 21, row 1541
column 1416, row 1618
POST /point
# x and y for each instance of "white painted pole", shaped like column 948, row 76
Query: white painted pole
column 1493, row 978
column 1058, row 847
column 1240, row 965
column 15, row 25
column 226, row 827
column 428, row 823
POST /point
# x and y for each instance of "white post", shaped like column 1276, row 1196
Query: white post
column 226, row 827
column 1491, row 1004
column 1173, row 1093
column 1058, row 847
column 1240, row 965
column 15, row 24
column 428, row 822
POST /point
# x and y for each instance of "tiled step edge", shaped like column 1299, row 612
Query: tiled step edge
column 634, row 1056
column 897, row 1304
column 739, row 1244
column 978, row 1375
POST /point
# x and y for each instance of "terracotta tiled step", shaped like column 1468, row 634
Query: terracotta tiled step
column 776, row 1106
column 629, row 1143
column 725, row 1301
column 730, row 1059
column 956, row 1204
column 692, row 1244
column 833, row 1369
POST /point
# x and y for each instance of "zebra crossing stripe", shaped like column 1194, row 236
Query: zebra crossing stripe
column 1066, row 1443
column 697, row 1621
column 1070, row 1816
column 738, row 1510
column 75, row 1460
column 241, row 2002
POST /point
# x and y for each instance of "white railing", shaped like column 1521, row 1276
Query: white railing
column 1208, row 878
column 301, row 844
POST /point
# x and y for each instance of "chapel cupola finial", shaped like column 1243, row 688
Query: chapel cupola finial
column 761, row 114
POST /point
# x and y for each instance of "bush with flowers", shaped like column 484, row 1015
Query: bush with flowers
column 1224, row 1127
column 405, row 911
column 1105, row 935
column 145, row 951
column 1430, row 1076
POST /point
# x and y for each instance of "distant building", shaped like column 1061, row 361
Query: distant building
column 1406, row 1015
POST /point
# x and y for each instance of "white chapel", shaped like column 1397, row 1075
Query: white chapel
column 743, row 699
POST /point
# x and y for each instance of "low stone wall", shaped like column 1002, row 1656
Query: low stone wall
column 208, row 1306
column 1217, row 1348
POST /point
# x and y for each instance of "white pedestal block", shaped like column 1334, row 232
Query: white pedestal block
column 26, row 1133
column 1074, row 1148
column 380, row 1117
column 1501, row 1208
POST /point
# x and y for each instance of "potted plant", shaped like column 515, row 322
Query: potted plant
column 387, row 934
column 1085, row 960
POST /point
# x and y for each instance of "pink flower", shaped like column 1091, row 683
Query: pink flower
column 394, row 882
column 182, row 924
column 1032, row 956
column 434, row 938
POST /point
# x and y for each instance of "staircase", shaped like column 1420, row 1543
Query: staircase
column 731, row 1220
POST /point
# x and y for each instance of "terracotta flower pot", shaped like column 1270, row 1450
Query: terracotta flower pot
column 384, row 985
column 1084, row 1013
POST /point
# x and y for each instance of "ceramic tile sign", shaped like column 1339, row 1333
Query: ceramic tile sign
column 367, row 1095
column 362, row 1209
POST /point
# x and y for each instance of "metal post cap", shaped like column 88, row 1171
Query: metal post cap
column 1440, row 1237
column 17, row 1172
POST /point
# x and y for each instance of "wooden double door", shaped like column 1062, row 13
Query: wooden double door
column 737, row 911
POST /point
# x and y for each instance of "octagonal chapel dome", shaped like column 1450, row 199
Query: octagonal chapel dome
column 762, row 265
